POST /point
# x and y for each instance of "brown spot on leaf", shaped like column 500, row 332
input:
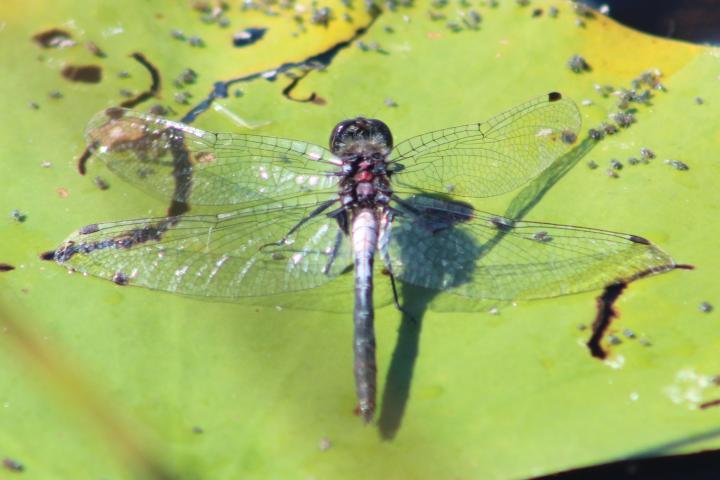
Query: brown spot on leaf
column 54, row 38
column 82, row 73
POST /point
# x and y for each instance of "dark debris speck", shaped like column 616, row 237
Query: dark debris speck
column 13, row 465
column 101, row 183
column 195, row 41
column 629, row 333
column 646, row 153
column 158, row 110
column 596, row 134
column 578, row 64
column 18, row 216
column 624, row 119
column 678, row 165
column 609, row 128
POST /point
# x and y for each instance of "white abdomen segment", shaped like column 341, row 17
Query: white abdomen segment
column 364, row 239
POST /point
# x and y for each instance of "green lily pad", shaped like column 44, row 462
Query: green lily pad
column 99, row 381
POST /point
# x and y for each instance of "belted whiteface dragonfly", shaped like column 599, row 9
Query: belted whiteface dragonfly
column 296, row 215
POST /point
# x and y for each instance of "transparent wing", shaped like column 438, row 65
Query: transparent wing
column 236, row 254
column 188, row 165
column 490, row 158
column 449, row 246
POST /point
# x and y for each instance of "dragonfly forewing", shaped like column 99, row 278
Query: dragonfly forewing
column 178, row 162
column 489, row 158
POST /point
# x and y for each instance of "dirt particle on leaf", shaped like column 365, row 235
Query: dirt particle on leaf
column 18, row 216
column 95, row 50
column 324, row 444
column 101, row 183
column 678, row 165
column 578, row 64
column 13, row 465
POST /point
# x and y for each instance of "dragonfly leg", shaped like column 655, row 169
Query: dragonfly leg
column 321, row 208
column 333, row 252
column 383, row 242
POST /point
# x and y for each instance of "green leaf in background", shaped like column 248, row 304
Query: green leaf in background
column 98, row 381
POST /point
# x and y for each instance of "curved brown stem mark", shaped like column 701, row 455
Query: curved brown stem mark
column 710, row 404
column 312, row 98
column 220, row 89
column 605, row 303
column 155, row 84
column 605, row 315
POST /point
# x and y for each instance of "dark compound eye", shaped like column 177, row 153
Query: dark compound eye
column 365, row 129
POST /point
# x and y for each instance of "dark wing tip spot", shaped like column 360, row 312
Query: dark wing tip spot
column 6, row 267
column 554, row 96
column 50, row 255
column 636, row 239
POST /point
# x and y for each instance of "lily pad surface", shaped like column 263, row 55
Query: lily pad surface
column 101, row 381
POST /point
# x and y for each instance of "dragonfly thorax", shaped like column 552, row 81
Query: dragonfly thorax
column 363, row 144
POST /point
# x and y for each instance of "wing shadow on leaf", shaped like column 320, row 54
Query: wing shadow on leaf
column 417, row 299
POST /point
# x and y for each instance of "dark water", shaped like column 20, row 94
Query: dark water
column 692, row 20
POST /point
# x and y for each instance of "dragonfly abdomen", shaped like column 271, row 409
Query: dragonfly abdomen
column 364, row 240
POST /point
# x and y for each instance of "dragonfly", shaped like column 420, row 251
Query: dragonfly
column 272, row 215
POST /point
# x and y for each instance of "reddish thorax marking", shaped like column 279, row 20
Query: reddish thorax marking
column 363, row 176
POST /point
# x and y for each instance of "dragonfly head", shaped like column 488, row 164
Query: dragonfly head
column 361, row 136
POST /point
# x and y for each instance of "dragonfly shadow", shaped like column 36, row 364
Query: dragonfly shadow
column 416, row 299
column 421, row 242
